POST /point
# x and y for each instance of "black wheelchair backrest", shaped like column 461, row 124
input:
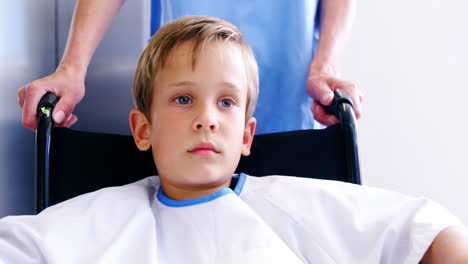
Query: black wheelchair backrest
column 70, row 163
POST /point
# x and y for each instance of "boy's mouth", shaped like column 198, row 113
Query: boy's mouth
column 204, row 149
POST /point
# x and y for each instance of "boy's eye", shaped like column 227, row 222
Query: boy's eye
column 225, row 103
column 182, row 100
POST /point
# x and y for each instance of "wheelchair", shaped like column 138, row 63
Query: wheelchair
column 70, row 163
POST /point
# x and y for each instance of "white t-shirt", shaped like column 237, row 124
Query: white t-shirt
column 273, row 219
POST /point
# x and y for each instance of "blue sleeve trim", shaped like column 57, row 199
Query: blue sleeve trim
column 174, row 203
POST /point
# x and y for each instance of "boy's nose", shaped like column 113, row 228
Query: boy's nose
column 205, row 121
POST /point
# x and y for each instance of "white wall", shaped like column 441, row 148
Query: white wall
column 410, row 58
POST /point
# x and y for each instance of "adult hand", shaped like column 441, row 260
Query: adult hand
column 66, row 84
column 321, row 83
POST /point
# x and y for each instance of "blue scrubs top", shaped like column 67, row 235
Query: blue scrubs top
column 283, row 35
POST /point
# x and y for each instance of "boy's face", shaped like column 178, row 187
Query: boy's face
column 198, row 129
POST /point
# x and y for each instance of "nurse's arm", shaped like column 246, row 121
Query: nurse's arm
column 336, row 17
column 91, row 20
column 449, row 246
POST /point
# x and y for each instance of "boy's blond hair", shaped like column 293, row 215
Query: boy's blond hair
column 201, row 30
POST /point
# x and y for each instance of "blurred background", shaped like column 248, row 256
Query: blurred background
column 408, row 57
column 33, row 35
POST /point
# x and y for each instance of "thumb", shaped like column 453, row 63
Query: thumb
column 63, row 109
column 319, row 89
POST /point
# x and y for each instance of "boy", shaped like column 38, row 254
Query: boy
column 195, row 91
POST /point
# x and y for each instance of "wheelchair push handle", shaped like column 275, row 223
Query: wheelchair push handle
column 45, row 124
column 47, row 104
column 342, row 107
column 341, row 97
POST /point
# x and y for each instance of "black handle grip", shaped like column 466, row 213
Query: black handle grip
column 339, row 98
column 45, row 123
column 48, row 101
column 342, row 107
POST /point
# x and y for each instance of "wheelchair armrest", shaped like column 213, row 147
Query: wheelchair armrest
column 45, row 123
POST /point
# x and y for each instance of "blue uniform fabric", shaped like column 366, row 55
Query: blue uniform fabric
column 283, row 35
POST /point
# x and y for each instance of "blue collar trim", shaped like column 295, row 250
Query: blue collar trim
column 240, row 184
column 174, row 203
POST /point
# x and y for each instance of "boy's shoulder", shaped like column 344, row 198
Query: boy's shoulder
column 329, row 213
column 131, row 194
column 293, row 196
column 299, row 186
column 99, row 205
column 323, row 196
column 94, row 217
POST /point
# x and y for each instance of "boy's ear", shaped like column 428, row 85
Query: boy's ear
column 249, row 132
column 141, row 129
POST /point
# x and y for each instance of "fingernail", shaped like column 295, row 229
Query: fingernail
column 59, row 117
column 73, row 122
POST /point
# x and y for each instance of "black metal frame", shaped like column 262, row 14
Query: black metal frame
column 45, row 124
column 342, row 107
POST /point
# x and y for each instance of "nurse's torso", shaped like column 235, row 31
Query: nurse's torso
column 283, row 35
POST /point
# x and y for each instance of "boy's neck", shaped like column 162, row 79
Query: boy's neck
column 184, row 193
